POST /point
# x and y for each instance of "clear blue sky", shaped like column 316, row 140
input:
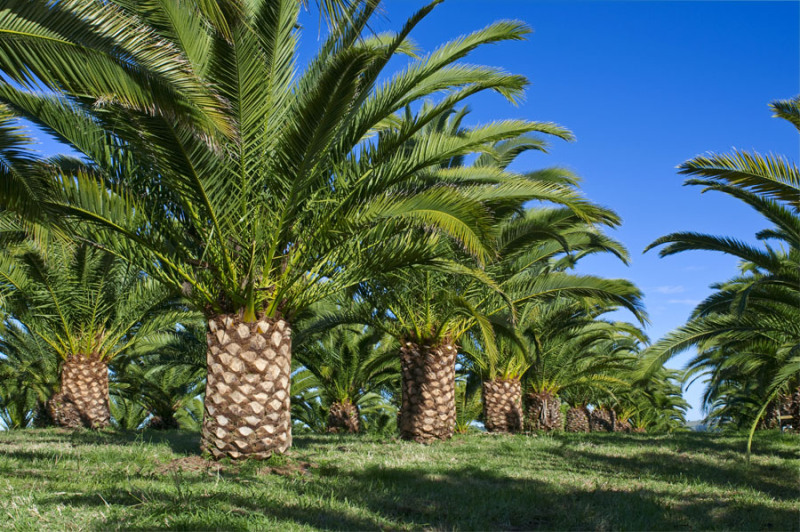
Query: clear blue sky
column 644, row 86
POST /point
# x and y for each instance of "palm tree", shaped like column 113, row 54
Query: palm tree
column 575, row 354
column 87, row 307
column 747, row 330
column 536, row 249
column 266, row 191
column 28, row 377
column 350, row 369
column 167, row 385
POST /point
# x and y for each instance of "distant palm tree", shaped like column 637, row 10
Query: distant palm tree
column 350, row 369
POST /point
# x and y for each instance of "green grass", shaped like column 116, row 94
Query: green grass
column 51, row 479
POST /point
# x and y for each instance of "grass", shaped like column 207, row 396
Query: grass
column 52, row 479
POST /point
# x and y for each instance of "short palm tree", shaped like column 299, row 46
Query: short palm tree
column 88, row 308
column 350, row 367
column 28, row 377
column 267, row 189
column 575, row 354
column 167, row 385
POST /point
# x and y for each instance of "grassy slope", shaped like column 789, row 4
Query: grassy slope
column 59, row 480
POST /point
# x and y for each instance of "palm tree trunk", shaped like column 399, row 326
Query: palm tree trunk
column 83, row 399
column 502, row 405
column 578, row 419
column 428, row 408
column 247, row 410
column 603, row 420
column 343, row 417
column 544, row 412
column 167, row 422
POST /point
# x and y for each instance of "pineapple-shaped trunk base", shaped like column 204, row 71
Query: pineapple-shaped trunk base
column 578, row 419
column 502, row 405
column 247, row 411
column 603, row 420
column 543, row 411
column 622, row 425
column 83, row 399
column 343, row 416
column 428, row 408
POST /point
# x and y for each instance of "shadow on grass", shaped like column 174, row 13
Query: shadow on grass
column 448, row 496
column 181, row 442
column 462, row 498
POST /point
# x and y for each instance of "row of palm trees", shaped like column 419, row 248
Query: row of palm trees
column 215, row 181
column 747, row 332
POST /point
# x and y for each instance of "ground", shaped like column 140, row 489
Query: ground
column 53, row 479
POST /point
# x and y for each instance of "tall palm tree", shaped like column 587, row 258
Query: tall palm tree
column 220, row 169
column 88, row 307
column 747, row 330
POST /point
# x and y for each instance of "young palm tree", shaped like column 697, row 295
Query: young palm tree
column 87, row 307
column 574, row 353
column 349, row 368
column 28, row 377
column 266, row 190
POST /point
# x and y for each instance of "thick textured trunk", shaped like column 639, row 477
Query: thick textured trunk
column 83, row 399
column 247, row 410
column 771, row 420
column 622, row 425
column 578, row 419
column 428, row 408
column 543, row 412
column 794, row 409
column 502, row 405
column 343, row 417
column 603, row 420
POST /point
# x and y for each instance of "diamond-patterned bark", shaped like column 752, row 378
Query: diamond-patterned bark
column 622, row 425
column 502, row 405
column 543, row 412
column 603, row 420
column 578, row 419
column 247, row 410
column 343, row 417
column 428, row 408
column 83, row 399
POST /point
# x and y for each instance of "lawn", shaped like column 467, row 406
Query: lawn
column 53, row 479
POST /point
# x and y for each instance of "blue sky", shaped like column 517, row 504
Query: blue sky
column 644, row 86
